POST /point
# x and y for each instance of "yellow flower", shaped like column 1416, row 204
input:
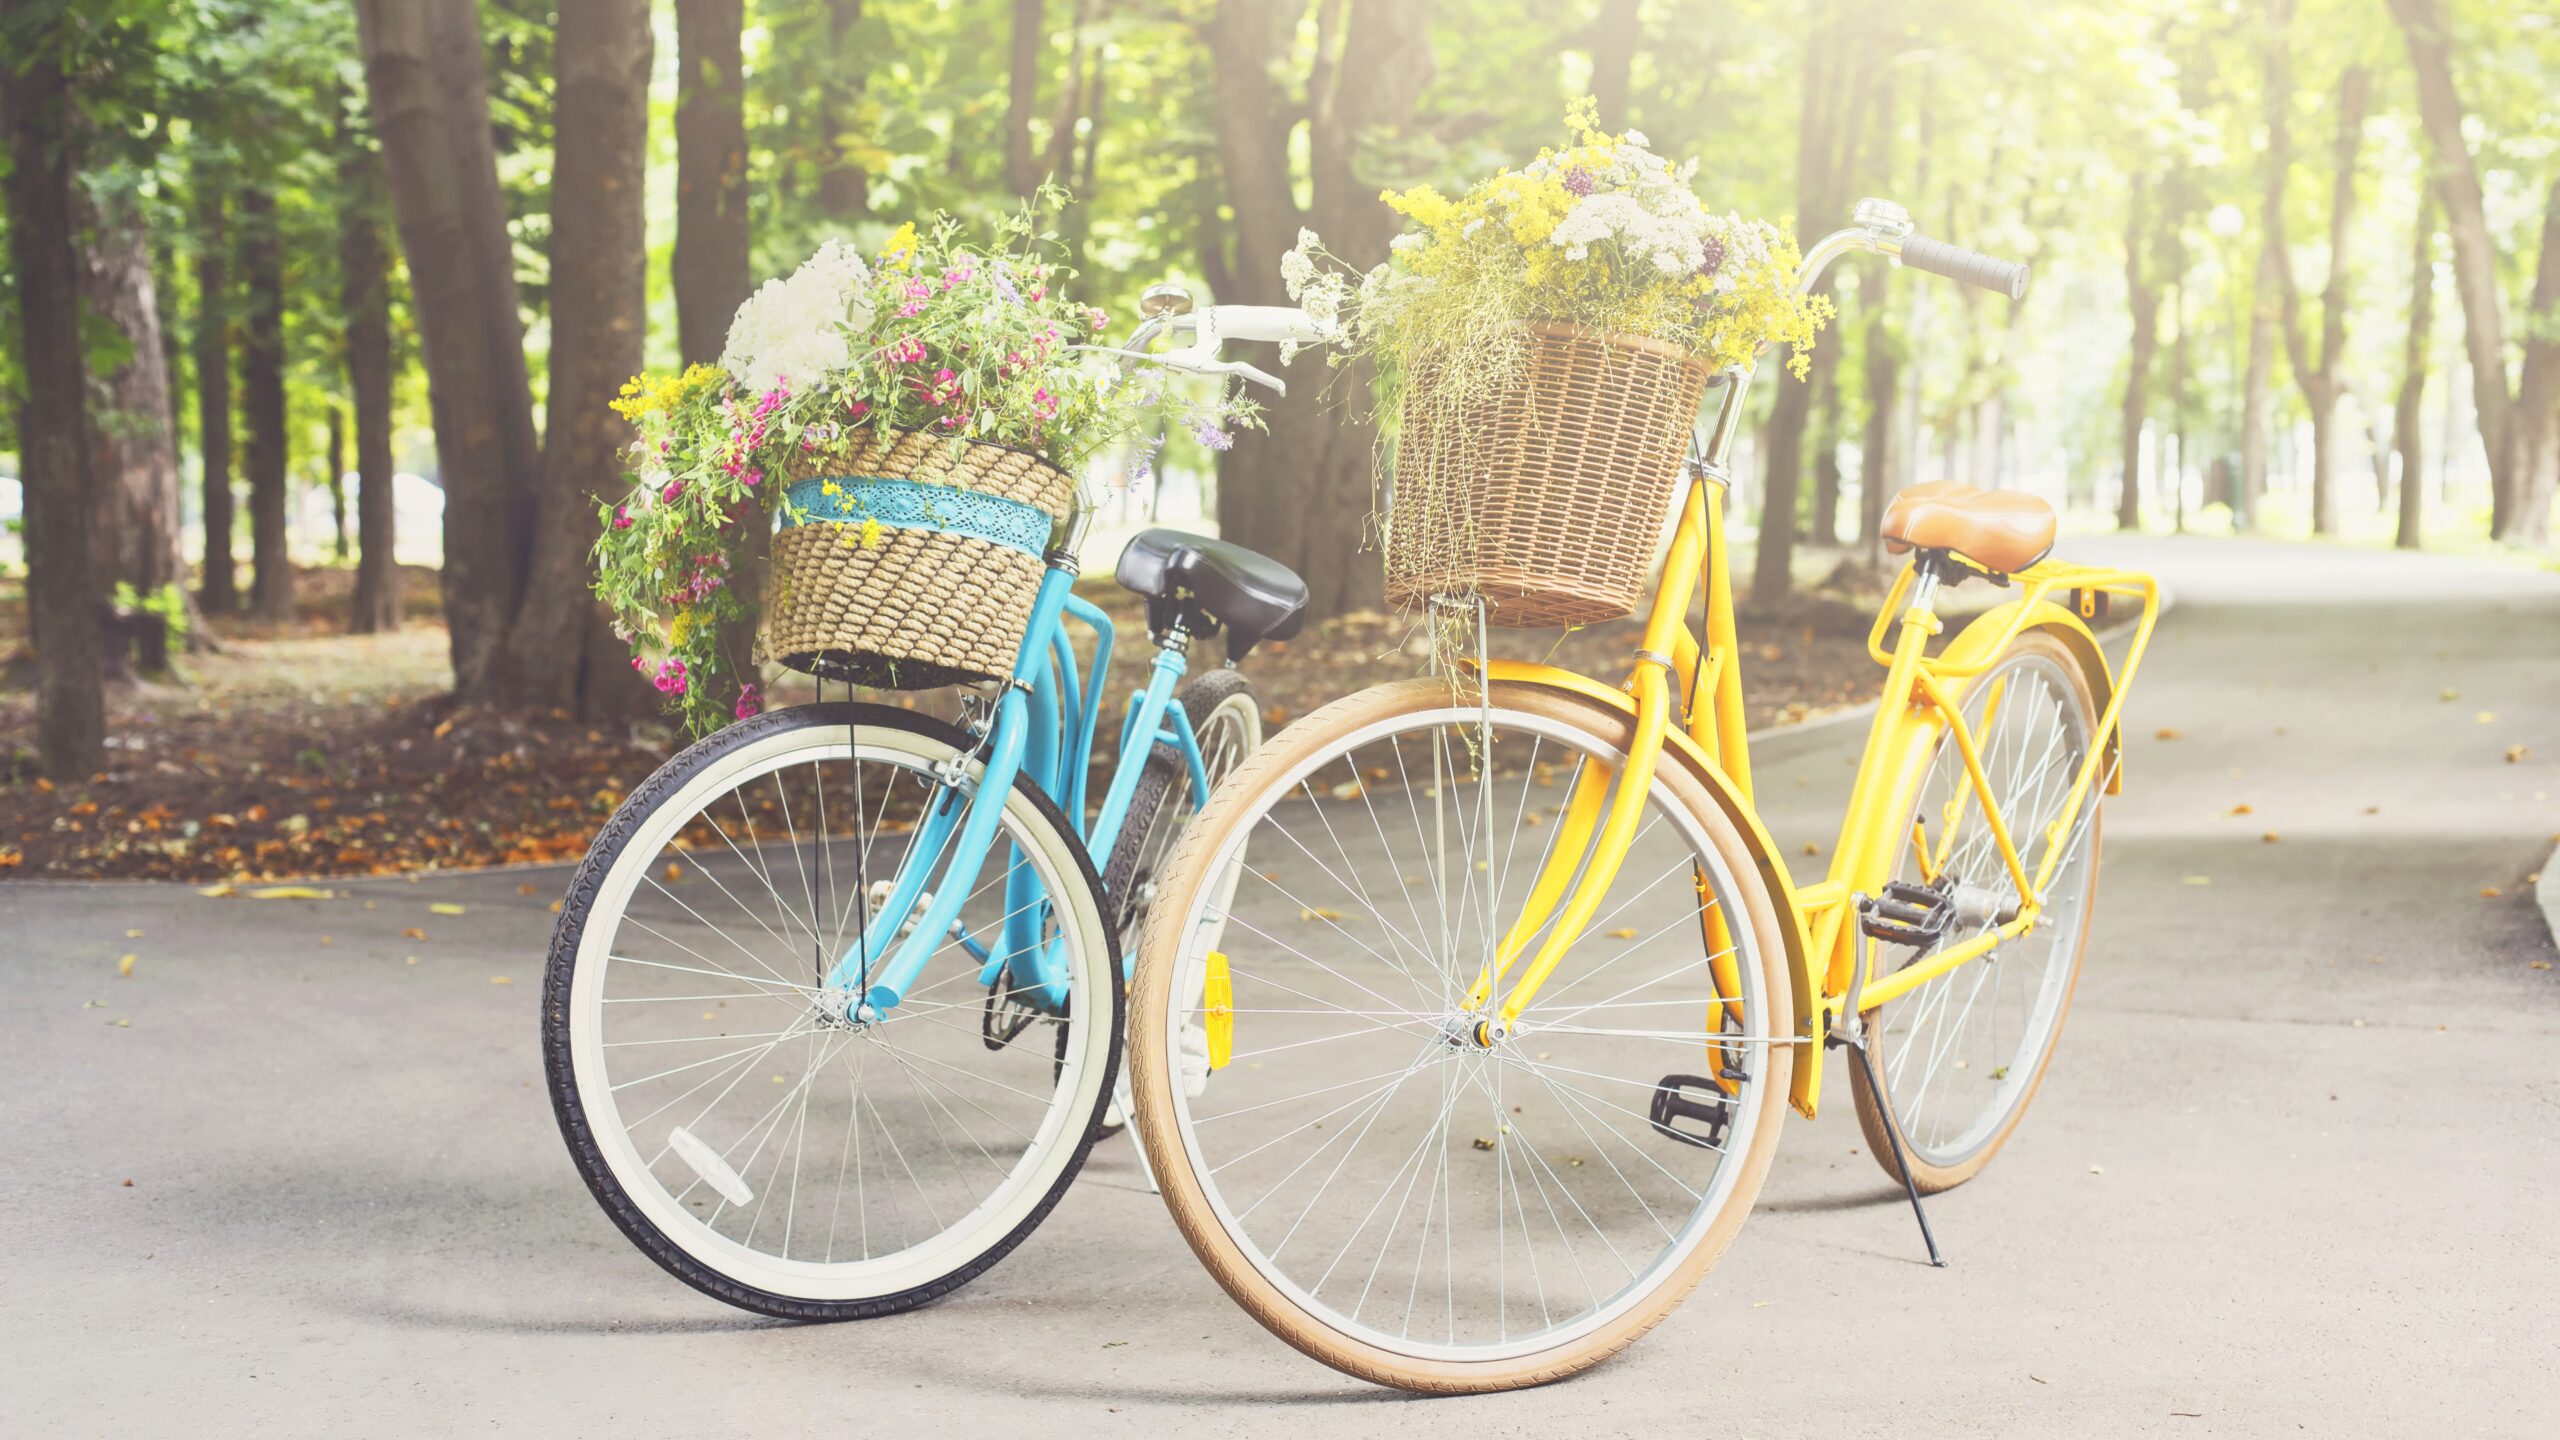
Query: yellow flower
column 870, row 534
column 901, row 249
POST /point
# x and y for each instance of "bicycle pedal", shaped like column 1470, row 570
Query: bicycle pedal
column 1006, row 1016
column 1671, row 1101
column 1907, row 914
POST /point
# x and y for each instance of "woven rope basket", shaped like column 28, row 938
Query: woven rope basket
column 936, row 601
column 1546, row 499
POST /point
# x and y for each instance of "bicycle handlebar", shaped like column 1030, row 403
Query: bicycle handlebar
column 2000, row 277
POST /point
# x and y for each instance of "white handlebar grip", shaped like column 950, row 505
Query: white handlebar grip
column 1280, row 323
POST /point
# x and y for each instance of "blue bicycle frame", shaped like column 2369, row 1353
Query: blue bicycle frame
column 1043, row 726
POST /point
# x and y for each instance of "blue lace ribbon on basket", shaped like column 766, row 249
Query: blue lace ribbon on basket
column 915, row 505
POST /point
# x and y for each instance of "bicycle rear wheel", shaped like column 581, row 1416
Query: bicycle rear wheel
column 1961, row 1056
column 1384, row 1186
column 742, row 1127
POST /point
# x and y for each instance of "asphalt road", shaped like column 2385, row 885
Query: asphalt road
column 2293, row 1172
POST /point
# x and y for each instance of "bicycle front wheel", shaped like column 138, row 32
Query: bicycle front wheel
column 1377, row 1177
column 746, row 1129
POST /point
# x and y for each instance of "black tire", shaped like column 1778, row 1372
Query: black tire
column 1143, row 846
column 669, row 780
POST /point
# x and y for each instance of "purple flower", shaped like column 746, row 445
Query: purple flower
column 1211, row 437
column 1580, row 182
column 750, row 703
column 1714, row 261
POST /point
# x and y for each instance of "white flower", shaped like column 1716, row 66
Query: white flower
column 1636, row 138
column 794, row 333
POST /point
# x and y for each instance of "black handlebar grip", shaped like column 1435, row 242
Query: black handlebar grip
column 2001, row 277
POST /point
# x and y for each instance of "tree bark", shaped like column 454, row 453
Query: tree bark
column 1030, row 38
column 1824, row 532
column 1876, row 450
column 2407, row 413
column 425, row 69
column 1615, row 36
column 364, row 265
column 221, row 593
column 2519, row 429
column 844, row 187
column 133, row 454
column 2319, row 378
column 2534, row 426
column 262, row 386
column 713, row 274
column 1303, row 492
column 561, row 652
column 2143, row 298
column 64, row 590
column 1832, row 108
column 712, row 265
column 342, row 543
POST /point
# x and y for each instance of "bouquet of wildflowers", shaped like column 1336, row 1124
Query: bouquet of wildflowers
column 1604, row 235
column 935, row 335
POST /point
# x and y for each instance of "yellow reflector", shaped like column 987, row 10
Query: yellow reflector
column 1218, row 998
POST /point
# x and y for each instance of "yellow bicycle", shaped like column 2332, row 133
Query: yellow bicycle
column 1509, row 989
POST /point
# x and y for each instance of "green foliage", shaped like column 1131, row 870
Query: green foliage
column 168, row 605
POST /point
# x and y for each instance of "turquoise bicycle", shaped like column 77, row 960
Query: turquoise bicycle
column 834, row 1006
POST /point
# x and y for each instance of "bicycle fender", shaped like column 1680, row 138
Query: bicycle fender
column 1990, row 633
column 1803, row 985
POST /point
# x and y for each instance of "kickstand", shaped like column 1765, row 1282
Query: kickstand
column 1901, row 1166
column 1129, row 1127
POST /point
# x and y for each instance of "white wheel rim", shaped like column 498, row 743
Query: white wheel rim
column 1048, row 1148
column 1710, row 1202
column 1951, row 1078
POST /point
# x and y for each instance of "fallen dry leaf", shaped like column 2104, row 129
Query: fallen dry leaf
column 444, row 907
column 2244, row 808
column 2517, row 753
column 2490, row 892
column 290, row 892
column 2167, row 733
column 525, row 889
column 413, row 933
column 1623, row 932
column 125, row 965
column 2485, row 717
column 1318, row 912
column 133, row 934
column 502, row 980
column 2195, row 880
column 674, row 872
column 2270, row 838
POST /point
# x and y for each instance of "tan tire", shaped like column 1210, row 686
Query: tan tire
column 1959, row 1069
column 1517, row 1134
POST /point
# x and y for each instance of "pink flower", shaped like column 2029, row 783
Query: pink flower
column 859, row 408
column 750, row 703
column 672, row 489
column 670, row 679
column 621, row 517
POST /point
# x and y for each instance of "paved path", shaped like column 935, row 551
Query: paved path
column 2294, row 1172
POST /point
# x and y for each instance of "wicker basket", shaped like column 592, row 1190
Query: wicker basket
column 945, row 594
column 1546, row 500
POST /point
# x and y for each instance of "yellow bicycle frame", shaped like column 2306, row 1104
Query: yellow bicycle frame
column 1920, row 709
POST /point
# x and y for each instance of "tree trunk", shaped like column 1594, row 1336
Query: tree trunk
column 1615, row 36
column 1303, row 492
column 424, row 66
column 2179, row 408
column 844, row 187
column 712, row 265
column 262, row 384
column 342, row 543
column 2319, row 378
column 364, row 266
column 2407, row 420
column 1876, row 457
column 1825, row 530
column 221, row 592
column 1030, row 38
column 64, row 590
column 2428, row 29
column 133, row 454
column 2534, row 443
column 1832, row 109
column 561, row 652
column 2144, row 300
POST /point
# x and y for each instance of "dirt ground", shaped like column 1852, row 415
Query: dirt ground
column 297, row 750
